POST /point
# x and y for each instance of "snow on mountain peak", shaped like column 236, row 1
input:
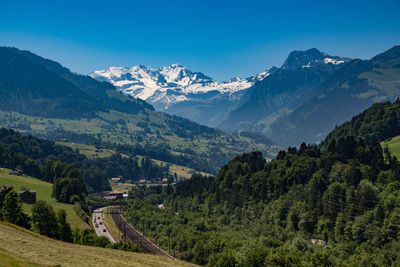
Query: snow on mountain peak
column 170, row 84
column 333, row 61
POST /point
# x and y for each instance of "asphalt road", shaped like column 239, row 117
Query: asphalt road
column 99, row 227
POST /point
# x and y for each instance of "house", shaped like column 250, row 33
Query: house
column 125, row 196
column 116, row 179
column 27, row 196
column 114, row 195
column 16, row 171
column 119, row 195
column 143, row 181
column 164, row 181
column 111, row 198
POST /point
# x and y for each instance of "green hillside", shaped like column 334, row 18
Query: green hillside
column 91, row 151
column 312, row 206
column 80, row 109
column 20, row 247
column 380, row 121
column 351, row 89
column 393, row 144
column 44, row 191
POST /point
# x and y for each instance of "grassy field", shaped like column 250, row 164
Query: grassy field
column 121, row 187
column 121, row 128
column 89, row 151
column 393, row 145
column 20, row 247
column 43, row 192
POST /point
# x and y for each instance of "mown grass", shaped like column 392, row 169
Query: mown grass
column 121, row 187
column 88, row 150
column 19, row 247
column 393, row 145
column 43, row 192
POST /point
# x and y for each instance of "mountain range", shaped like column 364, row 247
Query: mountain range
column 354, row 87
column 302, row 100
column 177, row 90
column 42, row 98
column 281, row 92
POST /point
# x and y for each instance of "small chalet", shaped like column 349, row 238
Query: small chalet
column 114, row 195
column 119, row 195
column 143, row 181
column 112, row 198
column 16, row 171
column 116, row 179
column 27, row 196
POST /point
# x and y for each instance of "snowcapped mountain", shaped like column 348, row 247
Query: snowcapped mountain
column 170, row 84
column 285, row 89
column 177, row 90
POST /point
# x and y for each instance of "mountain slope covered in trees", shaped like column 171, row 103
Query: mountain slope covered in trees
column 43, row 98
column 283, row 90
column 312, row 206
column 353, row 88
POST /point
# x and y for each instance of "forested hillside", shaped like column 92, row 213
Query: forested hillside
column 311, row 206
column 45, row 99
column 381, row 122
column 44, row 160
column 354, row 87
column 282, row 91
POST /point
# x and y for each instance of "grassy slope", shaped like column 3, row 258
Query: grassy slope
column 88, row 150
column 394, row 146
column 44, row 190
column 18, row 245
column 110, row 224
column 108, row 126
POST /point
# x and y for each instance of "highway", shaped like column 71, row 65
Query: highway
column 99, row 227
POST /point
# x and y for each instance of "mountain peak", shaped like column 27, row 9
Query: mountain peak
column 310, row 58
column 176, row 65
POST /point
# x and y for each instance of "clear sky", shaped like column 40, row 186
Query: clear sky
column 222, row 39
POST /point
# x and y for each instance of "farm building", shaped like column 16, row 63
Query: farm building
column 114, row 195
column 17, row 172
column 116, row 179
column 27, row 196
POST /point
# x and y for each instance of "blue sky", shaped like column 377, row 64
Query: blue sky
column 223, row 39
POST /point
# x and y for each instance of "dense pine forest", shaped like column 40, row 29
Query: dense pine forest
column 334, row 204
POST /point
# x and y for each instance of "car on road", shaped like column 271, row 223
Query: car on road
column 101, row 223
column 96, row 225
column 104, row 230
column 98, row 218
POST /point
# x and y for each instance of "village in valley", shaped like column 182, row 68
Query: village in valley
column 121, row 187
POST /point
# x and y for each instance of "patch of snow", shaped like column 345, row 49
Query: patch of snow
column 332, row 61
